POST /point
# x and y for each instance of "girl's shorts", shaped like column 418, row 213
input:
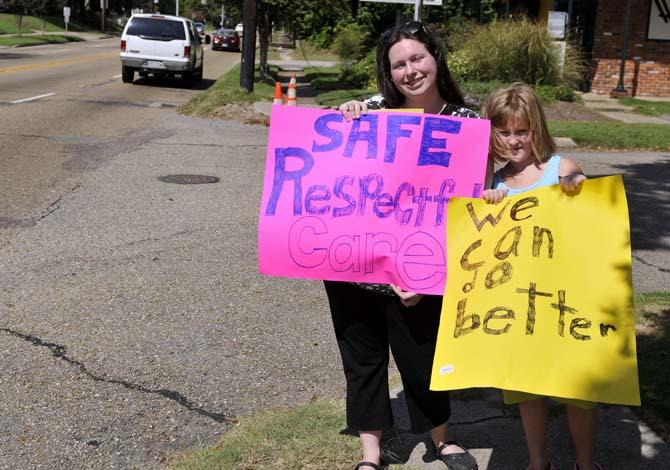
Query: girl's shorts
column 512, row 397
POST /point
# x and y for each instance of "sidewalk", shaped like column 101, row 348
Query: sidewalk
column 288, row 66
column 613, row 109
column 492, row 431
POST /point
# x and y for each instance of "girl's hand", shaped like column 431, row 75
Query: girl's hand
column 353, row 109
column 571, row 183
column 408, row 299
column 494, row 196
column 571, row 176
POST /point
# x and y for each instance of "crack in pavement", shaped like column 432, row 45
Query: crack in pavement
column 60, row 352
column 647, row 263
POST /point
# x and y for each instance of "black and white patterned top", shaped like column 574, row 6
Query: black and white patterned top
column 378, row 102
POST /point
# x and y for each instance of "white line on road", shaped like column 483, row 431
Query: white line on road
column 117, row 76
column 33, row 98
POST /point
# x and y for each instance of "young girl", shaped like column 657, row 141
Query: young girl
column 520, row 140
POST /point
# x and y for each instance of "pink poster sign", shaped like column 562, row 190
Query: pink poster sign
column 365, row 200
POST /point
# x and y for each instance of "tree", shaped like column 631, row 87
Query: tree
column 19, row 8
column 44, row 8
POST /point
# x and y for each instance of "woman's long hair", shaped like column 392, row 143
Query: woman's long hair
column 446, row 85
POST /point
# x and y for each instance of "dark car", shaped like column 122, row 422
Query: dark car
column 226, row 39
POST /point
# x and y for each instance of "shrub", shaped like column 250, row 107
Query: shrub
column 363, row 73
column 349, row 45
column 548, row 94
column 517, row 50
column 324, row 38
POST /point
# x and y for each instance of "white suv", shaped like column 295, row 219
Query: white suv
column 161, row 45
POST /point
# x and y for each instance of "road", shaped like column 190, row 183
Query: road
column 133, row 321
column 64, row 111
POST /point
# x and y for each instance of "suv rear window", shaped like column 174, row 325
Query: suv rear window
column 156, row 28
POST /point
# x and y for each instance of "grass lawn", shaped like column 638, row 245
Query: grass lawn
column 613, row 135
column 8, row 24
column 31, row 23
column 307, row 51
column 307, row 436
column 227, row 90
column 650, row 108
column 331, row 89
column 35, row 40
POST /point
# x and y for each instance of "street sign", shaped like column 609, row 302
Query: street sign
column 66, row 16
column 409, row 2
column 556, row 24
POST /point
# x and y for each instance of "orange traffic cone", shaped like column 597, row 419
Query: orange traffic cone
column 291, row 97
column 278, row 98
column 293, row 80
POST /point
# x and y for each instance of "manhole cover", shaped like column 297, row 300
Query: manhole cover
column 189, row 179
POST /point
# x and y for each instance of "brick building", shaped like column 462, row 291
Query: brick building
column 647, row 70
column 598, row 27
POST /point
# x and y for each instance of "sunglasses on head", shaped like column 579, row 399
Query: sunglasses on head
column 411, row 28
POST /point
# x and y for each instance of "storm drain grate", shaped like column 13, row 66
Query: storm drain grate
column 189, row 179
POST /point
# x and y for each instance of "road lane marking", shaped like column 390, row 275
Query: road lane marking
column 57, row 63
column 33, row 98
column 117, row 76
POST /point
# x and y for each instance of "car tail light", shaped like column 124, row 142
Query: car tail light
column 187, row 51
column 123, row 46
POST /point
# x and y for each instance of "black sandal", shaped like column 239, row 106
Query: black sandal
column 381, row 465
column 458, row 460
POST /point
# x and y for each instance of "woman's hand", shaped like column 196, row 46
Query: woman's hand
column 353, row 109
column 571, row 183
column 408, row 299
column 494, row 196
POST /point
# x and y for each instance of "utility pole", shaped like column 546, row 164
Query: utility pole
column 248, row 46
column 177, row 9
column 103, row 7
column 417, row 9
column 620, row 89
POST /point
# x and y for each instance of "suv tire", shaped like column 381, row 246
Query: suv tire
column 187, row 78
column 199, row 73
column 127, row 74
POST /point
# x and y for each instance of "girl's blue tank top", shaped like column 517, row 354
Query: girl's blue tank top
column 549, row 177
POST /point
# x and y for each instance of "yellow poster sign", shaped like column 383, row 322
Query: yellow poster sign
column 539, row 296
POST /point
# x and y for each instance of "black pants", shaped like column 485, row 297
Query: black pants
column 366, row 323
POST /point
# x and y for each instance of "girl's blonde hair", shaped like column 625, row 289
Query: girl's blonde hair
column 518, row 103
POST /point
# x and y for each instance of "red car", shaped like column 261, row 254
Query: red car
column 226, row 39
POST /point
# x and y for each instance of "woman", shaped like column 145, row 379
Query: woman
column 412, row 73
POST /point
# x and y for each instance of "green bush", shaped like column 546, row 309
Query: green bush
column 363, row 73
column 349, row 45
column 518, row 50
column 548, row 94
column 324, row 38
